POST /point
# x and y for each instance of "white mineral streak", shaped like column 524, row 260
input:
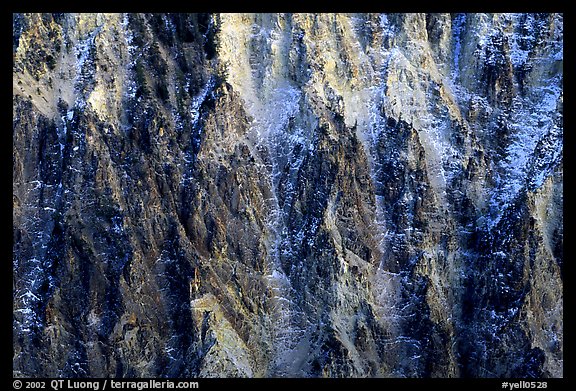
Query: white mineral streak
column 255, row 60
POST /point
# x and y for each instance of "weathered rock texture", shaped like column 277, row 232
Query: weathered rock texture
column 288, row 195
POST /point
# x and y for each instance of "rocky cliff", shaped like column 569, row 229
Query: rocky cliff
column 306, row 195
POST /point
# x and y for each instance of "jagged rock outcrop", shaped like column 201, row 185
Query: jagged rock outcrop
column 306, row 195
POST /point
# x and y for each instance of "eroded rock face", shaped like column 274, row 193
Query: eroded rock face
column 297, row 195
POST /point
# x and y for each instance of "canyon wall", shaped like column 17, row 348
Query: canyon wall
column 288, row 195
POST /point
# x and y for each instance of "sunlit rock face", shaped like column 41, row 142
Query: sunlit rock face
column 305, row 195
